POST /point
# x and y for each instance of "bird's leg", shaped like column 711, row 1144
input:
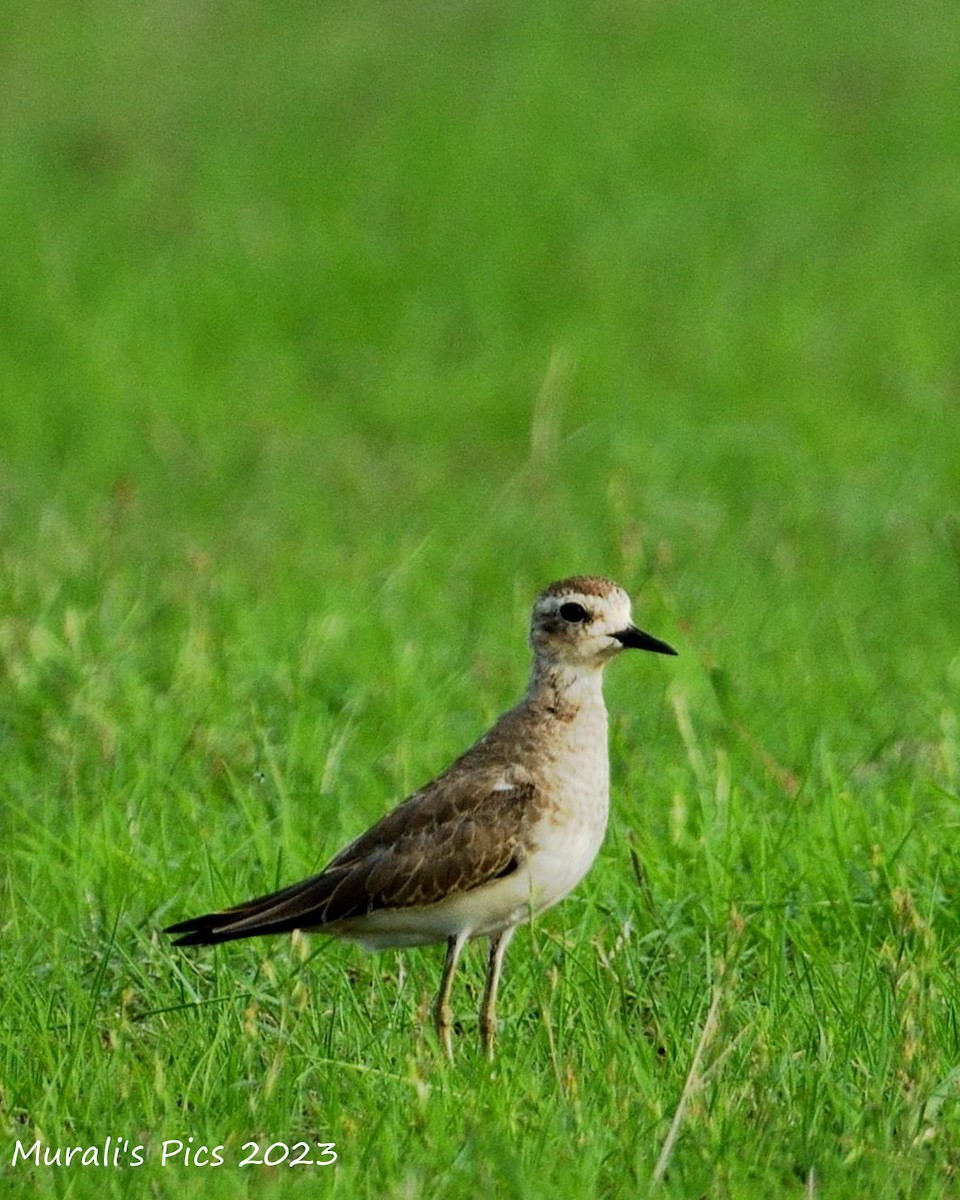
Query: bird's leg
column 488, row 1009
column 443, row 1014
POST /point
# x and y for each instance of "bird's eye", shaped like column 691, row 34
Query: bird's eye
column 574, row 613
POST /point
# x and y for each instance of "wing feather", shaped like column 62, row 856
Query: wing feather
column 454, row 835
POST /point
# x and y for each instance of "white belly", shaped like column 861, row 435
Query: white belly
column 565, row 853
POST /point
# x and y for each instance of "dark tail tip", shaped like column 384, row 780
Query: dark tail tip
column 198, row 931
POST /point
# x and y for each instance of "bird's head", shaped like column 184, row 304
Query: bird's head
column 584, row 621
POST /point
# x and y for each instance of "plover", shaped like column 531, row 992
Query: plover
column 505, row 832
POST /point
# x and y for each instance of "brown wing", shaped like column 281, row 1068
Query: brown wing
column 448, row 837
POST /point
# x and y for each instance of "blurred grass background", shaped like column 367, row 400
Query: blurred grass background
column 329, row 336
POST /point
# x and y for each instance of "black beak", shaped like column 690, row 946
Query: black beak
column 635, row 639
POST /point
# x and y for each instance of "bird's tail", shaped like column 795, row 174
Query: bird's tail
column 304, row 905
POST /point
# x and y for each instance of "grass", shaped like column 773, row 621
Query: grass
column 331, row 335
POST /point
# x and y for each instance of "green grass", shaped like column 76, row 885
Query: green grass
column 331, row 334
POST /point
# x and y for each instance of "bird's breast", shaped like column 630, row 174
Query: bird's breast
column 573, row 819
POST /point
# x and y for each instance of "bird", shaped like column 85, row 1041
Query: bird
column 505, row 832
